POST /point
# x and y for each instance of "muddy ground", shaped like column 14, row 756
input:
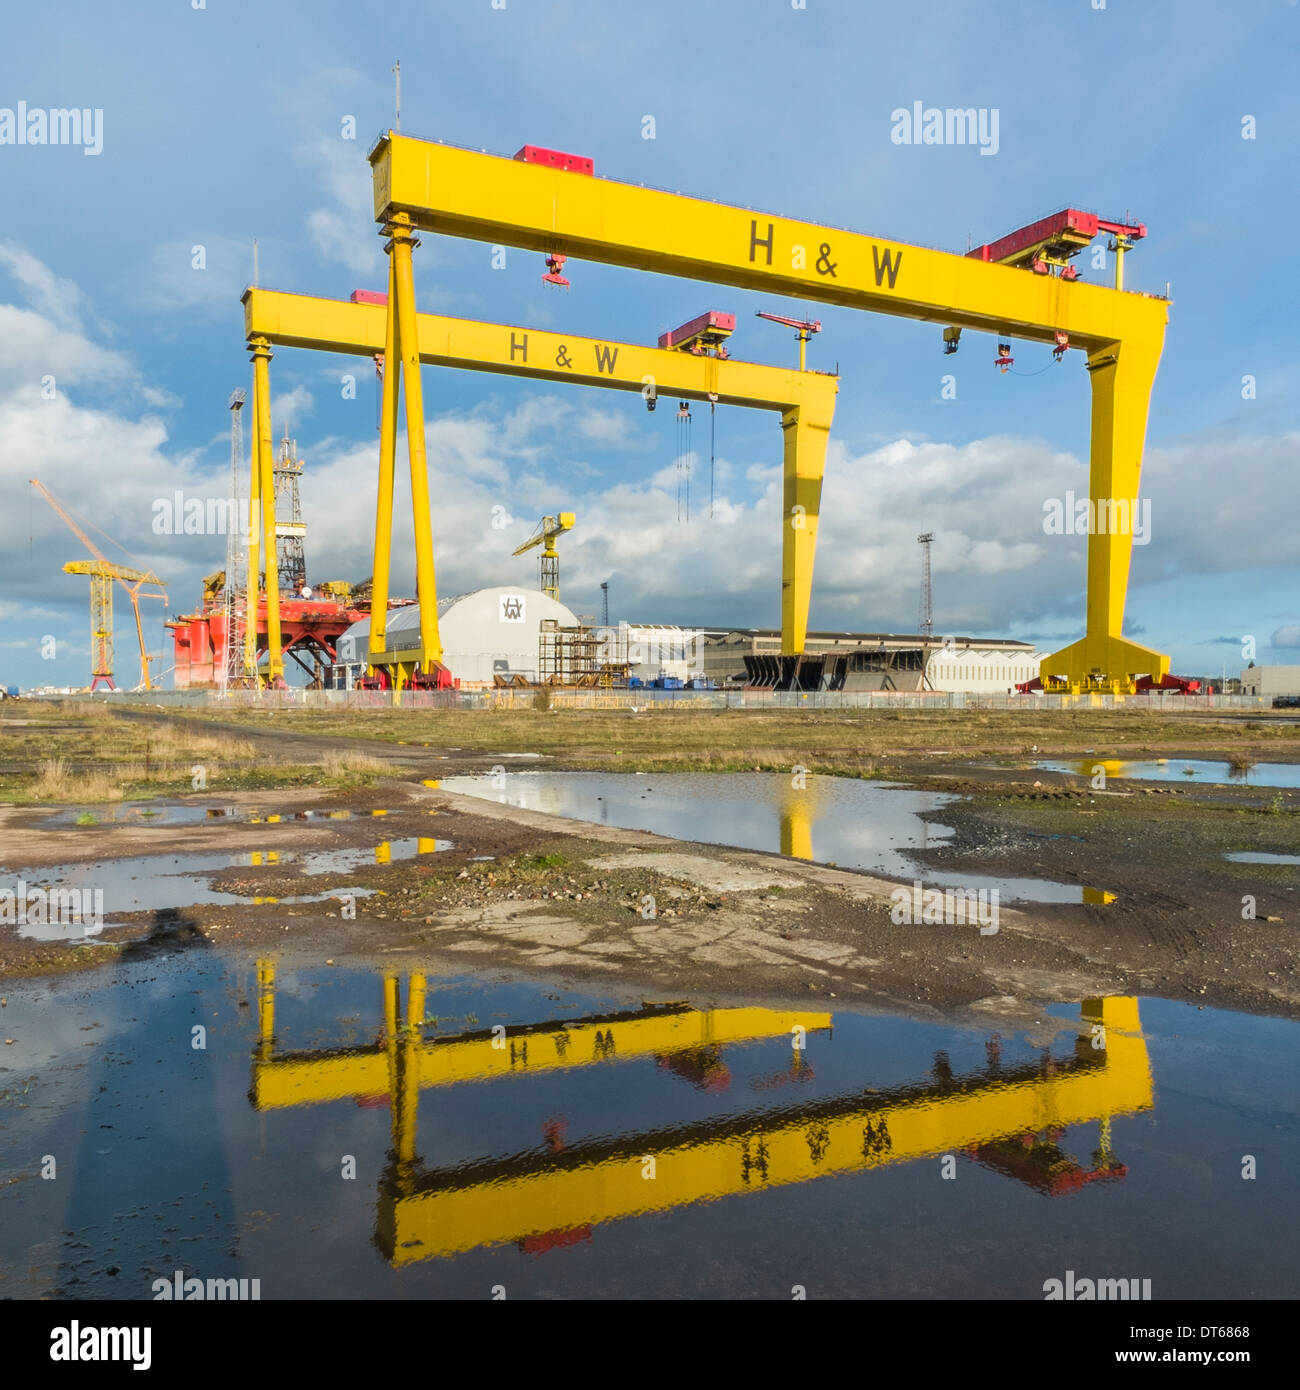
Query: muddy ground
column 522, row 892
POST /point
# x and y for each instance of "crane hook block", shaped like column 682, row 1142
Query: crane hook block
column 554, row 264
column 951, row 339
column 1004, row 358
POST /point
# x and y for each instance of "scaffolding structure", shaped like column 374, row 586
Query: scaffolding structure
column 582, row 656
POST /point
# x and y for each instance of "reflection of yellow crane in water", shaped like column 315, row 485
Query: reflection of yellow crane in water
column 798, row 814
column 548, row 529
column 102, row 573
column 797, row 822
column 1009, row 1118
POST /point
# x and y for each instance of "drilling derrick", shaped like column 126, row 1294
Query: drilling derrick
column 290, row 554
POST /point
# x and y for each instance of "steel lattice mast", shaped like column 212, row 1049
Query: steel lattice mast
column 231, row 668
column 926, row 625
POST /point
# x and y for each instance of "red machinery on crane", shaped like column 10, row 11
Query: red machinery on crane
column 1047, row 247
column 1051, row 243
column 804, row 329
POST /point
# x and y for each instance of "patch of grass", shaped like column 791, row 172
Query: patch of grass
column 347, row 765
column 56, row 781
column 664, row 737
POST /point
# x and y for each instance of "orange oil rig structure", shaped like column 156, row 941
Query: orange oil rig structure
column 211, row 648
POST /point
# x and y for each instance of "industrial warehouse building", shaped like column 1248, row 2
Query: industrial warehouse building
column 513, row 632
column 869, row 661
column 1270, row 680
column 489, row 633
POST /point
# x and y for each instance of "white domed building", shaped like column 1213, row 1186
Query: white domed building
column 489, row 633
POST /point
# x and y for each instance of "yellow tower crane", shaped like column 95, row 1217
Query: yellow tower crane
column 102, row 573
column 548, row 529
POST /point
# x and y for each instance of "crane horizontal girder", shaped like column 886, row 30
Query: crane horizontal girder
column 105, row 569
column 336, row 325
column 547, row 529
column 465, row 193
column 423, row 186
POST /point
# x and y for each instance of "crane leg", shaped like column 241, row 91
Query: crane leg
column 1104, row 660
column 409, row 350
column 387, row 460
column 805, row 462
column 266, row 1005
column 254, row 528
column 266, row 484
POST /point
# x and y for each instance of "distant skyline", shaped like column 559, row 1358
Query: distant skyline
column 126, row 239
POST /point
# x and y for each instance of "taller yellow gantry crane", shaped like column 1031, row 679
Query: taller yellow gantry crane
column 551, row 203
column 102, row 574
column 363, row 327
column 548, row 529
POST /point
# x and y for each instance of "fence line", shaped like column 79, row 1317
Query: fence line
column 647, row 701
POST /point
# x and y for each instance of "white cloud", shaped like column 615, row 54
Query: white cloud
column 52, row 296
column 605, row 427
column 289, row 408
column 344, row 231
column 33, row 347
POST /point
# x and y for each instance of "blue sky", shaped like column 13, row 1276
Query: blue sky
column 224, row 123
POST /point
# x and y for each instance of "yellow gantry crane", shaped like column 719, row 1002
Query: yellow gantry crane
column 545, row 201
column 103, row 573
column 548, row 529
column 805, row 402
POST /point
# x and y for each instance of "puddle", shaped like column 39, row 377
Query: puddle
column 158, row 883
column 343, row 1135
column 171, row 814
column 1181, row 770
column 1244, row 856
column 846, row 821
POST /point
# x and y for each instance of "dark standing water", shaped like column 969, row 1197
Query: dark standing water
column 342, row 1135
column 160, row 882
column 848, row 821
column 1182, row 770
